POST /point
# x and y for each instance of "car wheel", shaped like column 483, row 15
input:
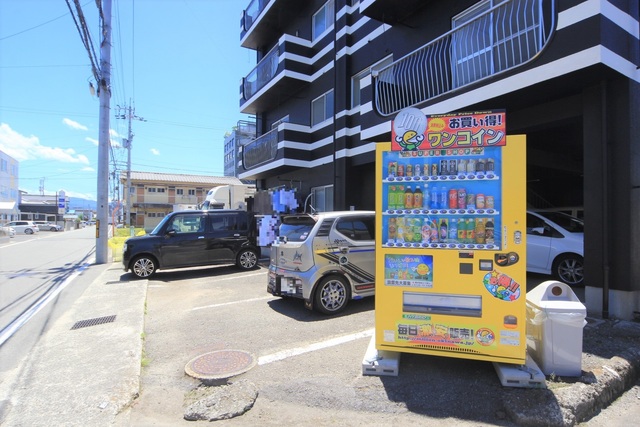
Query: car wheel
column 28, row 231
column 569, row 268
column 247, row 259
column 53, row 229
column 332, row 295
column 143, row 267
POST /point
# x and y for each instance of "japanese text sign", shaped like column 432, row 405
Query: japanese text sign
column 412, row 130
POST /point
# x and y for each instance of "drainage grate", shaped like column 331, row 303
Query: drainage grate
column 93, row 322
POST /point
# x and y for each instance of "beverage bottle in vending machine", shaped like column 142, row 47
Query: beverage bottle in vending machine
column 391, row 197
column 417, row 170
column 399, row 197
column 409, row 170
column 417, row 198
column 417, row 229
column 489, row 236
column 462, row 166
column 434, row 231
column 426, row 230
column 453, row 229
column 408, row 197
column 462, row 231
column 471, row 166
column 400, row 230
column 443, row 230
column 434, row 197
column 480, row 237
column 392, row 231
column 443, row 196
column 471, row 230
column 426, row 197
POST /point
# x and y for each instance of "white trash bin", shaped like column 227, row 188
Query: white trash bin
column 555, row 320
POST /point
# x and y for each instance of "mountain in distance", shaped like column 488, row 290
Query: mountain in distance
column 76, row 203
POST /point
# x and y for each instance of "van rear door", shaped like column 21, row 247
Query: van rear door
column 293, row 250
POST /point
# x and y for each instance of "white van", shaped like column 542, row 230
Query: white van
column 327, row 259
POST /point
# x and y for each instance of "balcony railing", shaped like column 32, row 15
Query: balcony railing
column 252, row 12
column 500, row 39
column 262, row 74
column 260, row 151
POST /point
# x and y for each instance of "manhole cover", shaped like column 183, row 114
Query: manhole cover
column 220, row 364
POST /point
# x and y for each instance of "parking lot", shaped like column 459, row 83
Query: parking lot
column 309, row 366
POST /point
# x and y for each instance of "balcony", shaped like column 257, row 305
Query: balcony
column 263, row 21
column 261, row 151
column 498, row 40
column 390, row 11
column 277, row 76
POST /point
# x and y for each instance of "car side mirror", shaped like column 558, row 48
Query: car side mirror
column 171, row 232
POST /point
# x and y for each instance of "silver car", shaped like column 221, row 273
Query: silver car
column 326, row 259
column 26, row 227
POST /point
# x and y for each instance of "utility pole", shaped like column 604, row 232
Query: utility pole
column 131, row 115
column 104, row 88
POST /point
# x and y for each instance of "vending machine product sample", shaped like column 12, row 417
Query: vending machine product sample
column 451, row 255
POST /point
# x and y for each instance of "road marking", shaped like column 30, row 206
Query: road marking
column 233, row 302
column 280, row 355
column 20, row 321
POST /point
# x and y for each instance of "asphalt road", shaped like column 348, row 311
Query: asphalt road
column 41, row 275
column 309, row 366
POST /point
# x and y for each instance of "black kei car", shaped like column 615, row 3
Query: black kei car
column 194, row 238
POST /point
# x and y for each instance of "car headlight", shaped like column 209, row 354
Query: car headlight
column 124, row 247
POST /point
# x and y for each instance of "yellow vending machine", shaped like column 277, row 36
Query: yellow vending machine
column 451, row 257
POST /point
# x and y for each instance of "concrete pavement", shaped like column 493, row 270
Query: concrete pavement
column 86, row 369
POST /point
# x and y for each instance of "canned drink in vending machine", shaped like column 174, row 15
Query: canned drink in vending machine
column 434, row 169
column 480, row 201
column 471, row 201
column 462, row 198
column 489, row 202
column 444, row 167
column 400, row 169
column 453, row 198
column 391, row 169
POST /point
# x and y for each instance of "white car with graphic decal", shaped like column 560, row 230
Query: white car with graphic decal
column 327, row 259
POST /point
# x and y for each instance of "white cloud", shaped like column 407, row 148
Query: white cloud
column 93, row 141
column 114, row 134
column 114, row 143
column 88, row 169
column 22, row 147
column 155, row 152
column 74, row 125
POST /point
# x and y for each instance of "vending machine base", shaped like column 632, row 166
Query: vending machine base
column 528, row 375
column 380, row 362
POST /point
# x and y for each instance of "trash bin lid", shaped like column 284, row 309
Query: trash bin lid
column 555, row 295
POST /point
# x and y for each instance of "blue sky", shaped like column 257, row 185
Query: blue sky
column 177, row 62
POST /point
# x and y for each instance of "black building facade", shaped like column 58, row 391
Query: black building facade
column 332, row 75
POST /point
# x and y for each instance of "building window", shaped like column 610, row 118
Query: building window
column 161, row 190
column 179, row 192
column 322, row 198
column 192, row 192
column 355, row 80
column 151, row 190
column 3, row 165
column 322, row 108
column 323, row 19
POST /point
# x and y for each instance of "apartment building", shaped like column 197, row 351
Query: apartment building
column 9, row 192
column 332, row 75
column 153, row 195
column 242, row 134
